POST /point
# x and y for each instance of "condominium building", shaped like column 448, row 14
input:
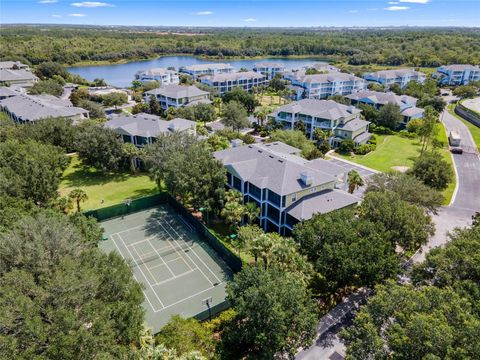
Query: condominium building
column 342, row 120
column 458, row 74
column 286, row 187
column 162, row 75
column 143, row 129
column 377, row 99
column 269, row 69
column 227, row 82
column 321, row 86
column 400, row 77
column 20, row 77
column 207, row 69
column 24, row 108
column 13, row 65
column 178, row 96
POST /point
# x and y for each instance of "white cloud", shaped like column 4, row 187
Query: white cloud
column 393, row 2
column 48, row 1
column 396, row 8
column 77, row 15
column 249, row 20
column 204, row 13
column 415, row 1
column 91, row 4
column 56, row 16
column 353, row 11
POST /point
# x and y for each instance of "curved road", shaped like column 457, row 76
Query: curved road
column 459, row 213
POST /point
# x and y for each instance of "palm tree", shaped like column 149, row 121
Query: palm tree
column 354, row 181
column 64, row 204
column 132, row 152
column 233, row 195
column 252, row 211
column 262, row 113
column 217, row 102
column 233, row 213
column 78, row 195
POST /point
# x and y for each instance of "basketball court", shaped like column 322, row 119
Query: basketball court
column 181, row 274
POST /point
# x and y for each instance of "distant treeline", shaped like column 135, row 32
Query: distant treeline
column 392, row 47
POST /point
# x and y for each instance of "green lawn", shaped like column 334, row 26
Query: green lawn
column 474, row 130
column 110, row 187
column 394, row 150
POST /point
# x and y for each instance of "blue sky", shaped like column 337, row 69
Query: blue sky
column 245, row 13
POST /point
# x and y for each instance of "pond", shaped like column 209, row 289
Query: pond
column 122, row 75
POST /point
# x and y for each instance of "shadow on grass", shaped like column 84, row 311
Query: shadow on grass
column 83, row 175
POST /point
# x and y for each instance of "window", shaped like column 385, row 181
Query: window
column 294, row 197
column 237, row 183
column 255, row 191
column 229, row 178
column 274, row 198
column 273, row 213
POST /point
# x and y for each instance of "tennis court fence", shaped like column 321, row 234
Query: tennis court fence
column 232, row 260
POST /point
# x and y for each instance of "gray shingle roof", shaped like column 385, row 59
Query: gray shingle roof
column 460, row 67
column 269, row 65
column 177, row 91
column 155, row 71
column 412, row 111
column 36, row 107
column 277, row 169
column 246, row 75
column 321, row 203
column 16, row 75
column 326, row 78
column 324, row 109
column 354, row 125
column 391, row 74
column 147, row 125
column 212, row 66
column 382, row 98
column 12, row 64
column 7, row 92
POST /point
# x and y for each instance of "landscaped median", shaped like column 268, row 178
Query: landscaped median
column 474, row 130
column 397, row 153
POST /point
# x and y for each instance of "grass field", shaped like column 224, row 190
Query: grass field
column 267, row 100
column 394, row 150
column 474, row 130
column 110, row 187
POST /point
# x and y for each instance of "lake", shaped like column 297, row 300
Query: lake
column 122, row 75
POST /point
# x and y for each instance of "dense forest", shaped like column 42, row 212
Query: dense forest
column 74, row 44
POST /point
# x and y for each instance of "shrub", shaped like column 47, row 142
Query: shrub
column 364, row 149
column 382, row 130
column 407, row 134
column 346, row 146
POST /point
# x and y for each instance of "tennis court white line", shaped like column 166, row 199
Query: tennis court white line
column 206, row 277
column 148, row 282
column 186, row 223
column 151, row 288
column 168, row 267
column 216, row 277
column 135, row 227
column 138, row 265
column 142, row 241
column 189, row 297
column 167, row 280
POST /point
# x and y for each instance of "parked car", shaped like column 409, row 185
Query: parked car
column 456, row 150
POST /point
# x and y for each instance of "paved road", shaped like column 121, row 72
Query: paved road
column 458, row 214
column 467, row 198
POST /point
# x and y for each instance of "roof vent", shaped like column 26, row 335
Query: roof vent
column 306, row 177
column 236, row 143
column 171, row 126
column 351, row 109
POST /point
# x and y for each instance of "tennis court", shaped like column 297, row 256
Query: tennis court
column 179, row 271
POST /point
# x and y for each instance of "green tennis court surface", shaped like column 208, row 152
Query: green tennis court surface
column 179, row 271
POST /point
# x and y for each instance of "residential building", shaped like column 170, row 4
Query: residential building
column 458, row 74
column 400, row 77
column 269, row 69
column 286, row 187
column 227, row 82
column 207, row 69
column 143, row 129
column 22, row 77
column 343, row 121
column 177, row 96
column 377, row 99
column 30, row 108
column 161, row 75
column 323, row 67
column 7, row 91
column 13, row 65
column 321, row 86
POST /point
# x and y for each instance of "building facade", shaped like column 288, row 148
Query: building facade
column 400, row 77
column 406, row 104
column 13, row 65
column 286, row 187
column 161, row 75
column 24, row 108
column 321, row 86
column 269, row 69
column 198, row 70
column 22, row 77
column 341, row 120
column 177, row 96
column 223, row 83
column 458, row 74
